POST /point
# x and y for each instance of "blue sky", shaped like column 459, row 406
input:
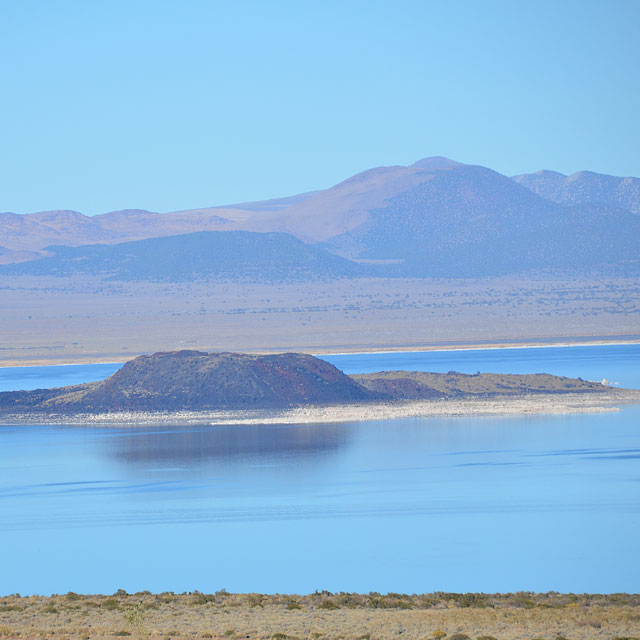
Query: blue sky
column 173, row 105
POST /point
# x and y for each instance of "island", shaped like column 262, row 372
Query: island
column 240, row 388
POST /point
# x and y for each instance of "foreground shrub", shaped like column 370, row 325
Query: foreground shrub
column 202, row 598
column 110, row 604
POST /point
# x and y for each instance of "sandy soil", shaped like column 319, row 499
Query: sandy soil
column 323, row 616
column 533, row 404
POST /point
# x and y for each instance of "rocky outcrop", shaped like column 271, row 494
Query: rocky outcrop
column 194, row 380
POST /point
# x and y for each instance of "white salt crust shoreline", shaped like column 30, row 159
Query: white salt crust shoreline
column 12, row 363
column 534, row 404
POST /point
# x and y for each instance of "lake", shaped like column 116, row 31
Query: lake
column 459, row 504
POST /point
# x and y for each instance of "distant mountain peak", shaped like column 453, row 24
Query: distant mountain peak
column 129, row 212
column 589, row 174
column 549, row 172
column 436, row 162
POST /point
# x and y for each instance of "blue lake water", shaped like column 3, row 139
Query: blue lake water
column 617, row 363
column 14, row 378
column 460, row 504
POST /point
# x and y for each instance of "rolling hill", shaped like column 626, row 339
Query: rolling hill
column 233, row 255
column 34, row 231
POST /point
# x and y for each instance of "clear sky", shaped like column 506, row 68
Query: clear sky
column 173, row 105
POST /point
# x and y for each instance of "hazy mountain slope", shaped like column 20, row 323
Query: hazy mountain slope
column 274, row 204
column 348, row 204
column 198, row 381
column 313, row 216
column 137, row 224
column 470, row 221
column 239, row 255
column 584, row 187
column 37, row 230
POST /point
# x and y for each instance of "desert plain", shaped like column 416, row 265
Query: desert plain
column 49, row 320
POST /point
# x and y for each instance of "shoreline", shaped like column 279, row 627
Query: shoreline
column 530, row 404
column 483, row 347
column 543, row 343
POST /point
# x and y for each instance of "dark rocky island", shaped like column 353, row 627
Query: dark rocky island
column 199, row 381
column 194, row 381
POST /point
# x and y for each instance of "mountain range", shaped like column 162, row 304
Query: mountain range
column 436, row 217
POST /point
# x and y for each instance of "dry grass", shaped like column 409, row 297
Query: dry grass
column 323, row 616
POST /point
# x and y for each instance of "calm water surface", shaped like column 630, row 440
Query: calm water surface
column 482, row 504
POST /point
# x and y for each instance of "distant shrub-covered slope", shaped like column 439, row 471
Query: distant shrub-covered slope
column 584, row 187
column 469, row 221
column 233, row 255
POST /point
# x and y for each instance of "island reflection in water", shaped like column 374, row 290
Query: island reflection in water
column 189, row 447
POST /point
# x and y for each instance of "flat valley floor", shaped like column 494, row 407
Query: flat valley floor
column 57, row 320
column 323, row 615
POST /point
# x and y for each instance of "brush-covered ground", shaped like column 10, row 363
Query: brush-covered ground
column 323, row 616
column 48, row 320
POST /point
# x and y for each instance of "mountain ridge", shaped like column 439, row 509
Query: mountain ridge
column 584, row 187
column 434, row 218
